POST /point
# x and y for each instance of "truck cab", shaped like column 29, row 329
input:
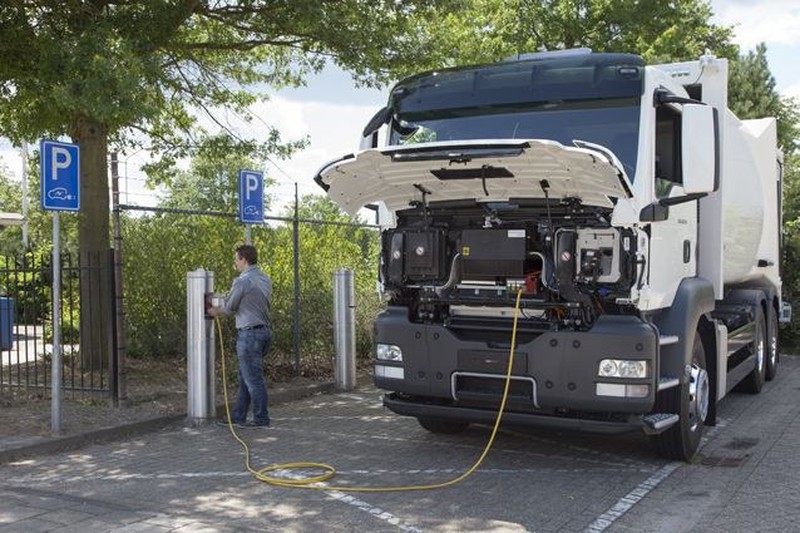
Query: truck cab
column 628, row 210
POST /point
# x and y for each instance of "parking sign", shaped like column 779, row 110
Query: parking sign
column 60, row 176
column 251, row 197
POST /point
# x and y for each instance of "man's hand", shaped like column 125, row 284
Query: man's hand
column 214, row 311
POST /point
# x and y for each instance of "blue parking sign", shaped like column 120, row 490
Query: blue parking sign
column 251, row 197
column 60, row 176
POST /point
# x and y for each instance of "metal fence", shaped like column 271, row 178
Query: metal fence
column 140, row 354
column 26, row 344
column 159, row 246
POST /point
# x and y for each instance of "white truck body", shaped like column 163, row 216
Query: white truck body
column 637, row 215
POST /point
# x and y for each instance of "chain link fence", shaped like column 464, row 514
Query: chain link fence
column 159, row 246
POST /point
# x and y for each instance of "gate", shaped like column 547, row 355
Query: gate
column 26, row 344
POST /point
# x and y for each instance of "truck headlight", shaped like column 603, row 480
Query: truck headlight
column 389, row 352
column 623, row 368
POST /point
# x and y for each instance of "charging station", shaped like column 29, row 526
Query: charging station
column 200, row 346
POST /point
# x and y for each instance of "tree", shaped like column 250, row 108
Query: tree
column 140, row 73
column 210, row 183
column 659, row 31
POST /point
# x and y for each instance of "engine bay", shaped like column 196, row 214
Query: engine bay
column 462, row 264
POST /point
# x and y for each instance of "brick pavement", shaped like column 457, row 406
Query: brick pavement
column 191, row 478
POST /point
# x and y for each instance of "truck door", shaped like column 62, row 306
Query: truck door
column 673, row 242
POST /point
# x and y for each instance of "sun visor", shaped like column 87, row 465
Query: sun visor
column 485, row 170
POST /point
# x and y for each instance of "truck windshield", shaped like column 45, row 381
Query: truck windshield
column 595, row 98
column 611, row 123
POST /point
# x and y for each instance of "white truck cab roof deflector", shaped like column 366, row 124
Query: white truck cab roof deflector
column 483, row 170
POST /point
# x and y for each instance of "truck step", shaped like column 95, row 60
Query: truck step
column 655, row 423
column 667, row 382
column 666, row 340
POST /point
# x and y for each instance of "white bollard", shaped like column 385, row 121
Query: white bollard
column 344, row 330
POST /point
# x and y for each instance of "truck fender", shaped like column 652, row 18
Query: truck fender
column 693, row 300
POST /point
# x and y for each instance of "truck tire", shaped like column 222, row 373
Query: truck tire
column 753, row 382
column 690, row 401
column 444, row 427
column 773, row 344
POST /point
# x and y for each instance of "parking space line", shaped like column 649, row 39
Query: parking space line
column 625, row 503
column 375, row 512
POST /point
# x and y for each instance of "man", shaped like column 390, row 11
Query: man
column 249, row 299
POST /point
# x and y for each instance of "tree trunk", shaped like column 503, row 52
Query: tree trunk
column 93, row 238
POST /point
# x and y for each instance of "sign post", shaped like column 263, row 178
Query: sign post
column 60, row 177
column 251, row 199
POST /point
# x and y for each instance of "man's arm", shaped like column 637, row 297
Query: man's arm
column 231, row 302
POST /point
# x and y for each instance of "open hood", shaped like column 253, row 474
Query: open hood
column 482, row 170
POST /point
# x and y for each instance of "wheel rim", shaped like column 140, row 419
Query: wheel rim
column 773, row 347
column 760, row 353
column 698, row 396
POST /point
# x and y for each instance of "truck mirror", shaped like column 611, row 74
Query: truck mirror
column 699, row 140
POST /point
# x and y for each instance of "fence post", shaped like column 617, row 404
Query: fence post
column 296, row 248
column 119, row 384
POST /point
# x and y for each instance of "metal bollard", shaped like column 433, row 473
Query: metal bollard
column 200, row 347
column 344, row 330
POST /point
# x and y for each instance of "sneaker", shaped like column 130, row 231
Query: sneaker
column 224, row 422
column 253, row 425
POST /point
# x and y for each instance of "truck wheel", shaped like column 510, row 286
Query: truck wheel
column 445, row 427
column 773, row 348
column 753, row 382
column 690, row 401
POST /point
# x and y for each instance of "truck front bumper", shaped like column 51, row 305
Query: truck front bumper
column 554, row 372
column 421, row 408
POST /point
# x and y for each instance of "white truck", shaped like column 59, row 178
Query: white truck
column 637, row 215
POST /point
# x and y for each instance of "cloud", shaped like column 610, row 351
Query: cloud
column 792, row 91
column 777, row 21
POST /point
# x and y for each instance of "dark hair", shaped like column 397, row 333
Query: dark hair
column 248, row 253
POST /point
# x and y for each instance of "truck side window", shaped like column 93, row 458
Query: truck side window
column 668, row 150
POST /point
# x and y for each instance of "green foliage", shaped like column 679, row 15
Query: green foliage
column 28, row 282
column 40, row 222
column 156, row 289
column 489, row 30
column 791, row 245
column 143, row 74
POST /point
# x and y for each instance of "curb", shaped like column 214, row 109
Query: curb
column 102, row 436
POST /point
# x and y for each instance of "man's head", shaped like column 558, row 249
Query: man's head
column 246, row 255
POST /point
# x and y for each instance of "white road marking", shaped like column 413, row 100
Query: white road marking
column 375, row 512
column 625, row 503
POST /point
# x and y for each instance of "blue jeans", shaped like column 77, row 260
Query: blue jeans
column 252, row 346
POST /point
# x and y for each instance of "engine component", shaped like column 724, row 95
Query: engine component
column 487, row 254
column 597, row 256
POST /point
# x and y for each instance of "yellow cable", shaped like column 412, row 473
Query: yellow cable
column 329, row 471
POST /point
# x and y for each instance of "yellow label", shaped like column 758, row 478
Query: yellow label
column 465, row 250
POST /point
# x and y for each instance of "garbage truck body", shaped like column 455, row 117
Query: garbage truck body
column 637, row 219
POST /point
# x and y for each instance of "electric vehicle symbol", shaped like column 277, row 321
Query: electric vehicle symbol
column 59, row 193
column 251, row 210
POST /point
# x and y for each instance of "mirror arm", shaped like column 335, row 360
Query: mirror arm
column 682, row 199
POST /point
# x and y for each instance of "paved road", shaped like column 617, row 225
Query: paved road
column 192, row 479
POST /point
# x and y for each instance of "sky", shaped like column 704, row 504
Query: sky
column 332, row 112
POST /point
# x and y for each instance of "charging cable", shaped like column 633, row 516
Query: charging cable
column 314, row 482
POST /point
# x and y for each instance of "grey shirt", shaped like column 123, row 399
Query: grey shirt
column 249, row 298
